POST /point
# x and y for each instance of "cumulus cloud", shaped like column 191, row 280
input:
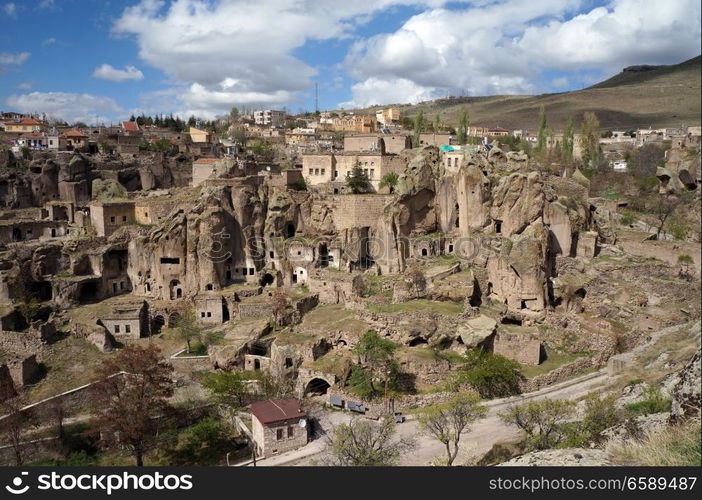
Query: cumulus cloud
column 505, row 46
column 107, row 72
column 67, row 106
column 10, row 9
column 241, row 51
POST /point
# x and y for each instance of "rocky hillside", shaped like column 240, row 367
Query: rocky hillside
column 639, row 96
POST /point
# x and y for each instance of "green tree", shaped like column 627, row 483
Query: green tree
column 228, row 389
column 542, row 421
column 418, row 126
column 446, row 422
column 437, row 123
column 389, row 180
column 378, row 354
column 541, row 140
column 362, row 443
column 234, row 113
column 492, row 375
column 358, row 181
column 567, row 145
column 187, row 327
column 463, row 123
column 590, row 139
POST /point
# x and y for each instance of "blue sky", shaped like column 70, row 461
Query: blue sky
column 103, row 60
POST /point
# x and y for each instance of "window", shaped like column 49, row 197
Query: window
column 127, row 329
column 372, row 172
column 202, row 314
column 322, row 171
column 279, row 434
column 170, row 260
column 252, row 271
column 311, row 172
column 124, row 218
column 146, row 214
column 116, row 328
column 112, row 219
column 291, row 431
column 209, row 314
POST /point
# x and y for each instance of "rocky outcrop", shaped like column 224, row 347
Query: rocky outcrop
column 567, row 457
column 686, row 392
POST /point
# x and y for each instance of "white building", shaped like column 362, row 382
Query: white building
column 269, row 117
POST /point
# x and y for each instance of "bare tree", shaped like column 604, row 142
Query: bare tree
column 447, row 421
column 279, row 303
column 14, row 424
column 127, row 407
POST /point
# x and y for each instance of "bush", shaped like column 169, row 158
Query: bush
column 653, row 402
column 492, row 375
column 543, row 422
column 600, row 414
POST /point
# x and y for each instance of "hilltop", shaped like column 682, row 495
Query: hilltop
column 639, row 96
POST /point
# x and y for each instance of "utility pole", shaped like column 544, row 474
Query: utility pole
column 316, row 97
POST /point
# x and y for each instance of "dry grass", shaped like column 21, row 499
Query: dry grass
column 671, row 446
column 662, row 98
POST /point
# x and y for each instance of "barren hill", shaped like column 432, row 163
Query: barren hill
column 639, row 96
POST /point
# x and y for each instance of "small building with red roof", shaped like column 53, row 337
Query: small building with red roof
column 23, row 126
column 278, row 425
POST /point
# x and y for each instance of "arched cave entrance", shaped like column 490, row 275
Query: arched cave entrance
column 16, row 234
column 176, row 290
column 88, row 293
column 417, row 341
column 267, row 279
column 173, row 319
column 157, row 324
column 316, row 387
column 290, row 230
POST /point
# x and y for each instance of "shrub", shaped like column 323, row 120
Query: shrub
column 542, row 421
column 653, row 402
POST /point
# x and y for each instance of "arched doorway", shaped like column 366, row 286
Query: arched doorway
column 267, row 279
column 176, row 290
column 316, row 387
column 157, row 324
column 173, row 319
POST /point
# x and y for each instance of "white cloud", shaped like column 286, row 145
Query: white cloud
column 49, row 41
column 241, row 51
column 46, row 4
column 25, row 85
column 10, row 9
column 15, row 59
column 387, row 91
column 107, row 72
column 70, row 107
column 503, row 47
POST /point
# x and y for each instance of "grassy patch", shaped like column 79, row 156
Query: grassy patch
column 670, row 446
column 420, row 305
column 554, row 360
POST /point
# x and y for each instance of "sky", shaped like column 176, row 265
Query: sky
column 103, row 60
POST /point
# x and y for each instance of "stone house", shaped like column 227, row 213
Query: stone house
column 128, row 320
column 434, row 139
column 278, row 425
column 107, row 217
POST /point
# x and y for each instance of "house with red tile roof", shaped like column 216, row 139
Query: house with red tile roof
column 278, row 425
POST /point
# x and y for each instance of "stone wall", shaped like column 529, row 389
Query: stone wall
column 518, row 347
column 359, row 210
